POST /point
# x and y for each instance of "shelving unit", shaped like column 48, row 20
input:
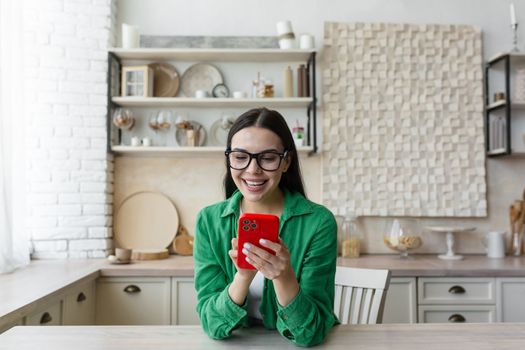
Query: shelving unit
column 180, row 151
column 499, row 118
column 117, row 56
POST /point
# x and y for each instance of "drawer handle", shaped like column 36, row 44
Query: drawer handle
column 46, row 318
column 132, row 289
column 81, row 297
column 456, row 290
column 456, row 318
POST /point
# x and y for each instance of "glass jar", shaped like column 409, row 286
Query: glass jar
column 351, row 242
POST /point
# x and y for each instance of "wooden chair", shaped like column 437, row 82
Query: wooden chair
column 360, row 295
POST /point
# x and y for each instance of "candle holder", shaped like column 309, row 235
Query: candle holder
column 514, row 27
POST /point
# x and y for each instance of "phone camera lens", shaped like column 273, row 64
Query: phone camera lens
column 246, row 222
column 254, row 225
column 245, row 228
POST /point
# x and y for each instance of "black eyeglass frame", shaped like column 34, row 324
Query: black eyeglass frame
column 256, row 156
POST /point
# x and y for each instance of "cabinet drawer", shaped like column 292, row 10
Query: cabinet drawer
column 457, row 313
column 456, row 291
column 47, row 316
column 133, row 301
column 79, row 305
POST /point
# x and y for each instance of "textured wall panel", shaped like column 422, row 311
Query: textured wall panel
column 403, row 120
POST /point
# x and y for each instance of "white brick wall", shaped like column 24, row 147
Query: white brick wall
column 70, row 176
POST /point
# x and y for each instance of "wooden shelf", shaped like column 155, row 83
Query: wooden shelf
column 209, row 151
column 513, row 56
column 497, row 152
column 496, row 105
column 275, row 102
column 234, row 55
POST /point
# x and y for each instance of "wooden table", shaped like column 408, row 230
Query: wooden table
column 370, row 337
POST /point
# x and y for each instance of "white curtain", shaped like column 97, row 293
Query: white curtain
column 14, row 245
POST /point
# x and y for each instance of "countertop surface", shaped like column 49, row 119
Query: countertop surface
column 45, row 278
column 382, row 336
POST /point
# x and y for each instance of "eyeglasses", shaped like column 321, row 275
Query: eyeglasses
column 267, row 160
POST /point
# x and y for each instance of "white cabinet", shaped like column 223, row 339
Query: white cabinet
column 183, row 302
column 511, row 299
column 456, row 300
column 79, row 305
column 133, row 301
column 49, row 315
column 401, row 301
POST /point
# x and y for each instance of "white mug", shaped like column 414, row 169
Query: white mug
column 135, row 141
column 494, row 243
column 201, row 93
column 306, row 42
column 146, row 142
column 239, row 94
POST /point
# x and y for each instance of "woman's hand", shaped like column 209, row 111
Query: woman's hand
column 274, row 267
column 238, row 289
column 244, row 273
column 271, row 266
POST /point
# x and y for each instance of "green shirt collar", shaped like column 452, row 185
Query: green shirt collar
column 294, row 204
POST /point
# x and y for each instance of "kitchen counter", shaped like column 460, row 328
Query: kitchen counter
column 383, row 336
column 20, row 290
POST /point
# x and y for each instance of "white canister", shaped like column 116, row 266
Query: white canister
column 286, row 44
column 130, row 36
column 284, row 27
column 306, row 42
column 494, row 243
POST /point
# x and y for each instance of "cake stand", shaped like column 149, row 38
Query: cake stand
column 450, row 255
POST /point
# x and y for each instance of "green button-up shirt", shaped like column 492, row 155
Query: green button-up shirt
column 309, row 230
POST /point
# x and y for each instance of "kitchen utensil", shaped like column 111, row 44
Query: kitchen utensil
column 450, row 255
column 146, row 220
column 166, row 80
column 514, row 237
column 150, row 254
column 200, row 76
column 182, row 138
column 183, row 242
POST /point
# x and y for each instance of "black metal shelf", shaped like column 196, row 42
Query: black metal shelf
column 505, row 105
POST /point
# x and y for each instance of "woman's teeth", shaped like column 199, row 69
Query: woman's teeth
column 253, row 183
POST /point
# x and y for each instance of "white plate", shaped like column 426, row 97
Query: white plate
column 180, row 134
column 219, row 133
column 200, row 76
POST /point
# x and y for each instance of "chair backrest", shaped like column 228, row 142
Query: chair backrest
column 360, row 294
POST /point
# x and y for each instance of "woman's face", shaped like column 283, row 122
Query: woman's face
column 256, row 184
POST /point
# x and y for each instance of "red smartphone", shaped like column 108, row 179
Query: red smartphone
column 253, row 227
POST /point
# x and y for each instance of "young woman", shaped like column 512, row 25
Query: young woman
column 291, row 291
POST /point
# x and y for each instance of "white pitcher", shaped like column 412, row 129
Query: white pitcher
column 494, row 243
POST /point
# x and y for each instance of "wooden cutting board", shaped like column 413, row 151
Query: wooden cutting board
column 150, row 254
column 146, row 221
column 183, row 243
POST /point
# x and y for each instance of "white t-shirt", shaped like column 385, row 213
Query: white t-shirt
column 255, row 296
